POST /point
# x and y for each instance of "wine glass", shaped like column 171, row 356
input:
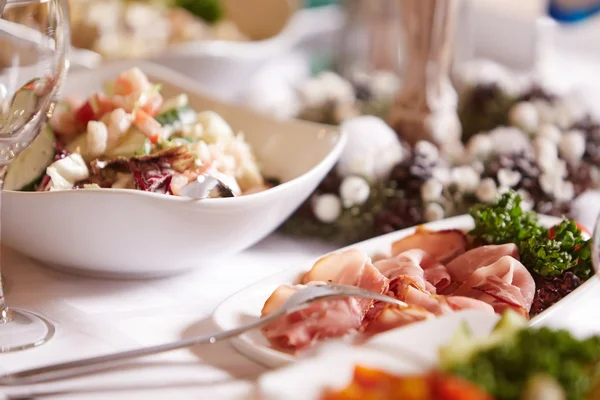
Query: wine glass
column 34, row 46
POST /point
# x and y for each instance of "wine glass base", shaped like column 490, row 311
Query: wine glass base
column 23, row 330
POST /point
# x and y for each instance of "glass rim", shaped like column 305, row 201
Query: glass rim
column 60, row 74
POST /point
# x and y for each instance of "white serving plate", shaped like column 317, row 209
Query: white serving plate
column 129, row 233
column 245, row 306
column 409, row 350
column 223, row 68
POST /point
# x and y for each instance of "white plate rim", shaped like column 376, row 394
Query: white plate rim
column 225, row 312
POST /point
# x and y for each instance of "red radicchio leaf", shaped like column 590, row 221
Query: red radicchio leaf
column 61, row 153
column 151, row 177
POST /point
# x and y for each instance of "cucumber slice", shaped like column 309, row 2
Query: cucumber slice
column 509, row 325
column 132, row 143
column 459, row 349
column 464, row 346
column 30, row 166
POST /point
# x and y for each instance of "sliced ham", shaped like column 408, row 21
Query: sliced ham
column 464, row 265
column 506, row 281
column 439, row 277
column 458, row 303
column 441, row 245
column 351, row 267
column 391, row 317
column 331, row 267
column 435, row 304
column 504, row 296
column 327, row 318
column 488, row 278
column 322, row 319
column 278, row 297
column 419, row 266
column 407, row 264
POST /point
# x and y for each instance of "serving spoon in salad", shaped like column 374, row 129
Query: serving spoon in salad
column 298, row 301
column 206, row 186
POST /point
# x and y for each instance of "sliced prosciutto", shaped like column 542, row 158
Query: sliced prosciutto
column 391, row 317
column 429, row 271
column 327, row 318
column 441, row 245
column 504, row 283
column 436, row 304
column 322, row 319
column 464, row 265
column 407, row 265
column 351, row 267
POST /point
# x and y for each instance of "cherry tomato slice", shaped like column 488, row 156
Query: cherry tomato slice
column 448, row 387
column 85, row 114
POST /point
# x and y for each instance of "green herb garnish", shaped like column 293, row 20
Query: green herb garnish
column 505, row 370
column 209, row 10
column 542, row 251
column 173, row 115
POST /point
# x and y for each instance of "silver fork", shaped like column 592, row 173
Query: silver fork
column 296, row 302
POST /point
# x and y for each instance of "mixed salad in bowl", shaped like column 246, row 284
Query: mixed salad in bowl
column 129, row 137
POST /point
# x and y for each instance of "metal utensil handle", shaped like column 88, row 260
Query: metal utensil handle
column 88, row 365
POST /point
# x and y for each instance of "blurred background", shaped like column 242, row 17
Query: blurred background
column 455, row 73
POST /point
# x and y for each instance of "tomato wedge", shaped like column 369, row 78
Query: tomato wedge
column 449, row 387
column 85, row 114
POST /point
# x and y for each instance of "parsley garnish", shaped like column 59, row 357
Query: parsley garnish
column 505, row 369
column 542, row 252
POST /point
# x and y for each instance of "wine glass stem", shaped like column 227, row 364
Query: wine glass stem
column 4, row 315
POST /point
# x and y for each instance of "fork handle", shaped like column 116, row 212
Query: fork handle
column 86, row 366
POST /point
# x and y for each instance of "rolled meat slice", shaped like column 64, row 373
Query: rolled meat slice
column 464, row 265
column 327, row 318
column 391, row 317
column 441, row 245
column 505, row 282
column 419, row 266
column 322, row 319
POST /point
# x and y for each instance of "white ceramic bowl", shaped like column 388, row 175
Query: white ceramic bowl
column 128, row 233
column 223, row 68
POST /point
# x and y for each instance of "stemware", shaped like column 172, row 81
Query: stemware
column 34, row 44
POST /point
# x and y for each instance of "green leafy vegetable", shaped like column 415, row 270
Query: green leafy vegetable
column 174, row 115
column 208, row 10
column 546, row 252
column 505, row 370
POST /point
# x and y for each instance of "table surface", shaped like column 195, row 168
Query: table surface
column 95, row 316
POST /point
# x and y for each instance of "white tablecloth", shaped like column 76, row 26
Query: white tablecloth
column 95, row 316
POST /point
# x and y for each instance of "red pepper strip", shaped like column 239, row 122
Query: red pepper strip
column 449, row 387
